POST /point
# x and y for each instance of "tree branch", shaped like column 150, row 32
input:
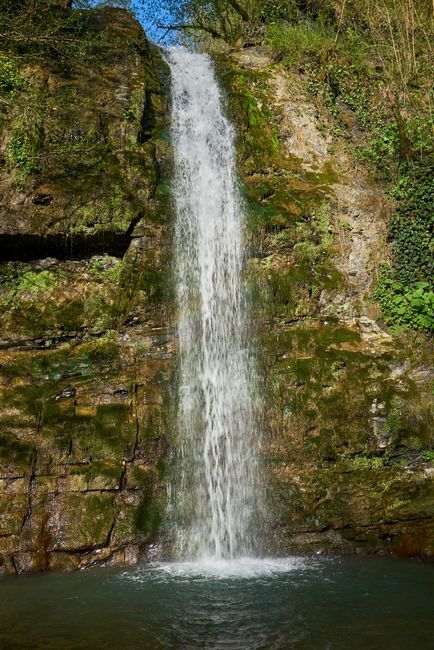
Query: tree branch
column 240, row 10
column 209, row 30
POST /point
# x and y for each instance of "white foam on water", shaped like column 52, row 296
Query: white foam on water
column 241, row 568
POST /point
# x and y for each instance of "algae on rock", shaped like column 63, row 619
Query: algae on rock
column 349, row 409
column 85, row 346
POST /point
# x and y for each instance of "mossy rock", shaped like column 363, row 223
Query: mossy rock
column 80, row 521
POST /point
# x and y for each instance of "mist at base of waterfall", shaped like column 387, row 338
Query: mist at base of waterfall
column 373, row 603
column 217, row 569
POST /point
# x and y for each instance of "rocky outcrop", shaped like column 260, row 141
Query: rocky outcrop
column 348, row 443
column 85, row 343
column 79, row 146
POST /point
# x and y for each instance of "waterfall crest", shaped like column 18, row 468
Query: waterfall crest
column 214, row 491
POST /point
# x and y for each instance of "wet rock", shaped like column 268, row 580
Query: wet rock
column 66, row 394
column 347, row 402
column 42, row 199
column 83, row 376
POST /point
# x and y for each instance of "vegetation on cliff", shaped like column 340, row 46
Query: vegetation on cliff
column 375, row 60
column 348, row 412
column 83, row 241
column 333, row 109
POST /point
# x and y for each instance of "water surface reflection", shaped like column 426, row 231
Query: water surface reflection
column 350, row 603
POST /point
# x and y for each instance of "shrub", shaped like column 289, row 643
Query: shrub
column 11, row 79
column 24, row 145
column 297, row 43
column 404, row 305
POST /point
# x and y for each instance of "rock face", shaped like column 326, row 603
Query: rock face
column 85, row 345
column 84, row 163
column 348, row 445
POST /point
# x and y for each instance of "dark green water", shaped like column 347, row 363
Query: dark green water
column 312, row 604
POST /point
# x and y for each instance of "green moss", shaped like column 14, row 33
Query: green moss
column 135, row 109
column 16, row 453
column 326, row 177
column 102, row 434
column 314, row 237
column 258, row 143
column 149, row 514
column 364, row 462
column 28, row 283
column 52, row 303
column 87, row 519
column 138, row 476
column 113, row 214
column 47, row 372
column 108, row 471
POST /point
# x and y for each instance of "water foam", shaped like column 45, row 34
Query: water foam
column 241, row 568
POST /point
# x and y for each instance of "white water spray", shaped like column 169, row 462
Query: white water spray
column 215, row 494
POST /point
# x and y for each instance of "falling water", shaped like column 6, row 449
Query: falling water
column 215, row 496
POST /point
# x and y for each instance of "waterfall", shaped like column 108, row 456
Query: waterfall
column 214, row 490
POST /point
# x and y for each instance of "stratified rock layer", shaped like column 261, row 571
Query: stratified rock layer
column 348, row 421
column 85, row 346
column 86, row 350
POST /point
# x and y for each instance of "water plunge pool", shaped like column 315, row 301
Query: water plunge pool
column 347, row 603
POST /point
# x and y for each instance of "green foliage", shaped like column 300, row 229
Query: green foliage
column 383, row 149
column 296, row 44
column 33, row 282
column 374, row 62
column 405, row 292
column 412, row 224
column 394, row 415
column 403, row 305
column 345, row 225
column 275, row 11
column 48, row 29
column 11, row 79
column 346, row 84
column 314, row 237
column 27, row 284
column 24, row 144
column 105, row 267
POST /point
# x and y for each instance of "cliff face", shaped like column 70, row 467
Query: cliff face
column 348, row 410
column 84, row 348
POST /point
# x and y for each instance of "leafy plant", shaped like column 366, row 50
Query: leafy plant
column 27, row 284
column 314, row 237
column 403, row 305
column 24, row 144
column 105, row 267
column 11, row 79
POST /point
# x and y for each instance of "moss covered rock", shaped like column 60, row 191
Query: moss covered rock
column 348, row 404
column 85, row 348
